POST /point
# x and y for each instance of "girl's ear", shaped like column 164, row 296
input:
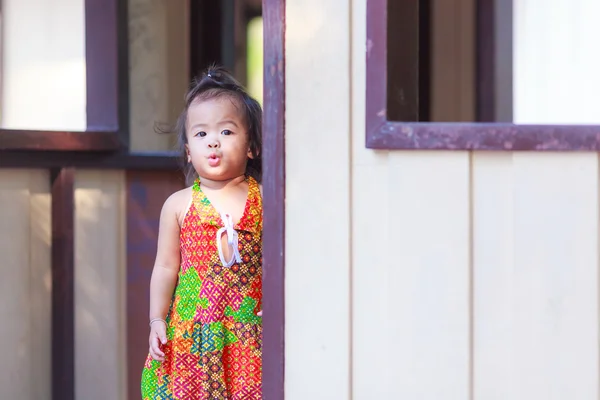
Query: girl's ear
column 250, row 155
column 187, row 153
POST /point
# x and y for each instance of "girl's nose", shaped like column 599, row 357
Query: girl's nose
column 214, row 144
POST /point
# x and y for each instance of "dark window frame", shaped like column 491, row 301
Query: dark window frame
column 382, row 133
column 106, row 90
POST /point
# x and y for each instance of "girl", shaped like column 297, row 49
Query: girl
column 206, row 287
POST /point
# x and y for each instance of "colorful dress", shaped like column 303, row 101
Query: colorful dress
column 214, row 337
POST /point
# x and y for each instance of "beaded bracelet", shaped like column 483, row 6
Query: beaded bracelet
column 157, row 319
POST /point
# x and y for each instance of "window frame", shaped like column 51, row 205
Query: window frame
column 382, row 133
column 106, row 90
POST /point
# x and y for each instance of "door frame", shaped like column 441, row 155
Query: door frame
column 274, row 199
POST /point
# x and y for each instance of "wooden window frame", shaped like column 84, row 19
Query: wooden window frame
column 105, row 142
column 106, row 91
column 382, row 133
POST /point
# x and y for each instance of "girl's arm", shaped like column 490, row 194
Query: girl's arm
column 166, row 266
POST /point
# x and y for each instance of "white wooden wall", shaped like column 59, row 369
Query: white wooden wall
column 318, row 202
column 426, row 275
column 100, row 279
column 25, row 284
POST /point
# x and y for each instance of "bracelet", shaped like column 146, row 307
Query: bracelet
column 157, row 319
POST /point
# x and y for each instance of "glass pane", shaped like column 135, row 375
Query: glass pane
column 43, row 65
column 556, row 61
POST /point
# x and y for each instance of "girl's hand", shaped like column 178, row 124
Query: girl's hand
column 158, row 337
column 259, row 313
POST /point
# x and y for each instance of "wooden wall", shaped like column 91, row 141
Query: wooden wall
column 25, row 286
column 427, row 274
column 100, row 318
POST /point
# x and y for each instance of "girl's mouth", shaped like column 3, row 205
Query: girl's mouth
column 214, row 160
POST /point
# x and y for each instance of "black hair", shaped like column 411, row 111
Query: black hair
column 215, row 82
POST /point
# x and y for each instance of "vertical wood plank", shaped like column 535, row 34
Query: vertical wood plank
column 317, row 202
column 274, row 194
column 14, row 285
column 63, row 269
column 40, row 284
column 493, row 275
column 556, row 284
column 371, row 291
column 428, row 246
column 99, row 285
column 536, row 276
column 25, row 284
column 146, row 193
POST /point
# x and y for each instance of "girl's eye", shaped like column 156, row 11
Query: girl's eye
column 201, row 134
column 226, row 132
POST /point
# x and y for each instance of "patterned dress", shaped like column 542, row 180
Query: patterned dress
column 214, row 337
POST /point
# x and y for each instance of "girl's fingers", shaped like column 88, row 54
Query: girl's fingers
column 156, row 356
column 259, row 313
column 156, row 347
column 163, row 337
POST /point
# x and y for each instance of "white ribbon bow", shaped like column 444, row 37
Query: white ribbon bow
column 232, row 241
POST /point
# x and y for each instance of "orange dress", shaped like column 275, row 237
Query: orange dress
column 214, row 337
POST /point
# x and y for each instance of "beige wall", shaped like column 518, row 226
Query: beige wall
column 25, row 285
column 318, row 201
column 426, row 275
column 159, row 69
column 100, row 273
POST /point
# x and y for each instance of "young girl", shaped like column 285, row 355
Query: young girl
column 205, row 292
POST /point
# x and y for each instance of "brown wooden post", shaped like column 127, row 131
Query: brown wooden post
column 274, row 200
column 63, row 284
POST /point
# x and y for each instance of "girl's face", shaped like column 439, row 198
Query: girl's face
column 218, row 143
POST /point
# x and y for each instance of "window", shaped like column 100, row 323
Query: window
column 408, row 95
column 53, row 64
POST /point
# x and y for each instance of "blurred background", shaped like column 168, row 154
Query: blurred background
column 83, row 174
